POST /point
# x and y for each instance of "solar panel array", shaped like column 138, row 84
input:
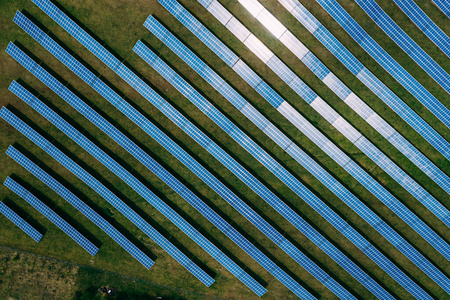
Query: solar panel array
column 189, row 196
column 443, row 6
column 69, row 196
column 96, row 185
column 376, row 155
column 143, row 157
column 343, row 92
column 252, row 114
column 368, row 79
column 213, row 182
column 428, row 27
column 385, row 60
column 19, row 222
column 140, row 188
column 316, row 136
column 411, row 48
column 248, row 144
column 227, row 91
column 51, row 215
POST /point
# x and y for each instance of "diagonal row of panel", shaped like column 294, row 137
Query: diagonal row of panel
column 258, row 153
column 51, row 215
column 369, row 80
column 252, row 114
column 219, row 187
column 425, row 24
column 386, row 61
column 20, row 222
column 110, row 197
column 141, row 189
column 351, row 99
column 308, row 129
column 354, row 136
column 76, row 202
column 163, row 174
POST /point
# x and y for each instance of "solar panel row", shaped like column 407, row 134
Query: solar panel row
column 351, row 99
column 115, row 134
column 107, row 195
column 252, row 114
column 386, row 61
column 19, row 222
column 215, row 183
column 96, row 185
column 411, row 48
column 443, row 6
column 51, row 215
column 69, row 196
column 387, row 131
column 425, row 24
column 367, row 78
column 339, row 156
column 142, row 190
column 248, row 144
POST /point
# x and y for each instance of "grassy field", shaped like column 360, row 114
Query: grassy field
column 117, row 24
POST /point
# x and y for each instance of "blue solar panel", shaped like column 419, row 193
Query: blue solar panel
column 107, row 194
column 371, row 218
column 71, row 198
column 443, row 6
column 244, row 141
column 434, row 33
column 51, row 215
column 413, row 50
column 19, row 222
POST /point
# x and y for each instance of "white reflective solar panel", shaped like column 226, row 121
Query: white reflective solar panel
column 258, row 48
column 239, row 30
column 270, row 22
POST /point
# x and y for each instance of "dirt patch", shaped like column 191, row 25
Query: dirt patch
column 25, row 276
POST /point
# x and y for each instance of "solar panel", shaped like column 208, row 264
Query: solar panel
column 425, row 24
column 19, row 222
column 51, row 215
column 71, row 198
column 366, row 77
column 239, row 136
column 411, row 48
column 322, row 175
column 443, row 6
column 323, row 73
column 102, row 190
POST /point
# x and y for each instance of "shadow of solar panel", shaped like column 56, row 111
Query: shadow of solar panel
column 19, row 222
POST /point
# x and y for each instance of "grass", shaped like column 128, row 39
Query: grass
column 118, row 24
